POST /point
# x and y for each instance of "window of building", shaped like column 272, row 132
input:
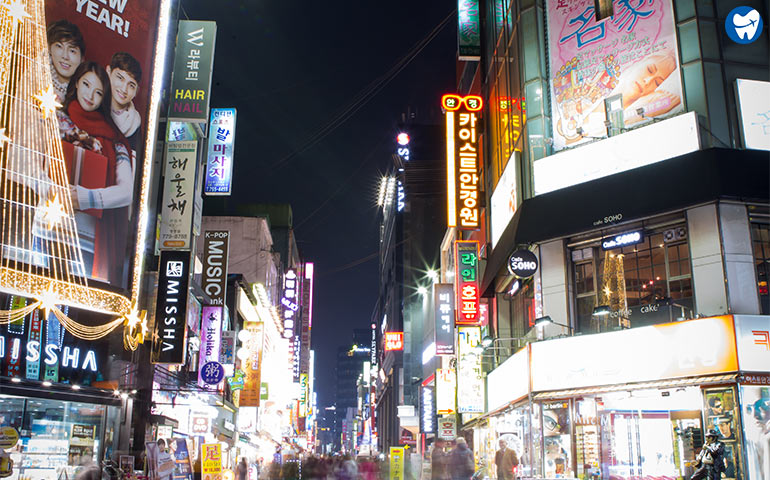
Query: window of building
column 642, row 284
column 760, row 238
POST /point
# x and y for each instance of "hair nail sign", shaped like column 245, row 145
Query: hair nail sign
column 170, row 332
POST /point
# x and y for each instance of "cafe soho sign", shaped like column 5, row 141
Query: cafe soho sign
column 522, row 263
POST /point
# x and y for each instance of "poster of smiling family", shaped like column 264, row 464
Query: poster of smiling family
column 628, row 56
column 101, row 59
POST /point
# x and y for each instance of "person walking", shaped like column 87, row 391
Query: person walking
column 461, row 465
column 505, row 461
column 710, row 461
column 242, row 471
column 438, row 462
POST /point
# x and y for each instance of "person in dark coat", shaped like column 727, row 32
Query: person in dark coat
column 710, row 462
column 461, row 464
column 438, row 462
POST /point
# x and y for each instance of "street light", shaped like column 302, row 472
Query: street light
column 546, row 320
column 601, row 311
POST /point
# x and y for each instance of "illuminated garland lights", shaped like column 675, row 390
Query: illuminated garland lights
column 39, row 243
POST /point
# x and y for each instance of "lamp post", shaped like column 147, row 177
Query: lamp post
column 546, row 320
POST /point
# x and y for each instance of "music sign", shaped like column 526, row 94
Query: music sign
column 466, row 273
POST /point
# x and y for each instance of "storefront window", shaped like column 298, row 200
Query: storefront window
column 755, row 401
column 56, row 438
column 721, row 414
column 643, row 284
column 760, row 237
column 557, row 440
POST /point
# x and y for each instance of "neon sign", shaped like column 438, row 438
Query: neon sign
column 289, row 302
column 394, row 341
column 623, row 240
column 466, row 272
column 462, row 140
column 50, row 353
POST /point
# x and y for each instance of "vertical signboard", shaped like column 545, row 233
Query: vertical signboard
column 446, row 384
column 170, row 330
column 178, row 195
column 303, row 394
column 622, row 70
column 193, row 61
column 470, row 391
column 753, row 109
column 428, row 409
column 211, row 335
column 211, row 461
column 250, row 395
column 214, row 277
column 307, row 317
column 219, row 163
column 463, row 160
column 468, row 30
column 396, row 463
column 466, row 274
column 443, row 294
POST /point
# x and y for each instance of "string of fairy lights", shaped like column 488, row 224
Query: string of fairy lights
column 41, row 256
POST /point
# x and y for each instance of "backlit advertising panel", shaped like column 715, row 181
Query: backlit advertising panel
column 470, row 390
column 216, row 245
column 468, row 298
column 251, row 366
column 623, row 69
column 211, row 338
column 443, row 294
column 176, row 217
column 468, row 30
column 394, row 341
column 219, row 164
column 193, row 61
column 104, row 142
column 462, row 116
column 446, row 384
column 170, row 330
column 753, row 109
column 427, row 409
column 504, row 199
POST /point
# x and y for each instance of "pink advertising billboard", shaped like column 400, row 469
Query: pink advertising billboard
column 623, row 69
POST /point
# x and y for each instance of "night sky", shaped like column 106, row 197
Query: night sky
column 291, row 67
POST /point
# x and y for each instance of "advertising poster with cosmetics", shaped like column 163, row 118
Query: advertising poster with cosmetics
column 626, row 63
column 101, row 63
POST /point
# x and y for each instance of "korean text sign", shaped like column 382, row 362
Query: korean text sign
column 467, row 268
column 396, row 463
column 443, row 294
column 170, row 331
column 463, row 160
column 121, row 38
column 470, row 391
column 219, row 165
column 394, row 341
column 446, row 383
column 193, row 61
column 468, row 30
column 178, row 192
column 211, row 461
column 250, row 395
column 626, row 64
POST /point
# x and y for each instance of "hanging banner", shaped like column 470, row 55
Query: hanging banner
column 250, row 395
column 396, row 463
column 216, row 246
column 443, row 294
column 470, row 391
column 446, row 383
column 468, row 30
column 623, row 69
column 463, row 160
column 193, row 61
column 468, row 297
column 219, row 163
column 170, row 329
column 178, row 192
column 211, row 461
column 227, row 349
column 182, row 459
column 211, row 335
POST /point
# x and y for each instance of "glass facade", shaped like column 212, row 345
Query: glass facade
column 58, row 437
column 760, row 238
column 643, row 284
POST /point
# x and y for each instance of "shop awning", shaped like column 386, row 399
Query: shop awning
column 695, row 178
column 673, row 383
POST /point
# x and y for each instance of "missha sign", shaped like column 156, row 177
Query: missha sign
column 170, row 331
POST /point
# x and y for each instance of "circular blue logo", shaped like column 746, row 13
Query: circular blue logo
column 212, row 373
column 743, row 25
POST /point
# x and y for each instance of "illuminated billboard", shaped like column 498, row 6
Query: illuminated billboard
column 470, row 391
column 622, row 70
column 193, row 62
column 446, row 383
column 468, row 30
column 176, row 218
column 443, row 293
column 467, row 297
column 74, row 211
column 463, row 160
column 505, row 199
column 394, row 341
column 219, row 163
column 754, row 112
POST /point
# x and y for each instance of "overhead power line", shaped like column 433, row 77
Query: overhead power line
column 366, row 94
